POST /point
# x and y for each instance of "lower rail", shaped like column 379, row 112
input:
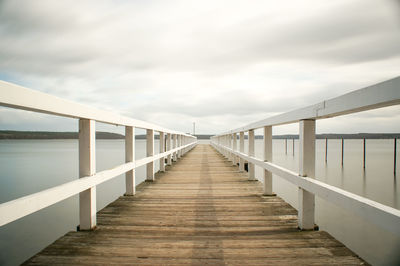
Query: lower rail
column 18, row 208
column 384, row 216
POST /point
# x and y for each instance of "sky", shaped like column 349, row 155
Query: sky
column 220, row 64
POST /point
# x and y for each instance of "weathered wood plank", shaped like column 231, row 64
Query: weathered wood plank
column 202, row 210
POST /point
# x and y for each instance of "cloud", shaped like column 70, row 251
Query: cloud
column 209, row 61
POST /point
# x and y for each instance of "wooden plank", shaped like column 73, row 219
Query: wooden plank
column 383, row 216
column 200, row 211
column 18, row 208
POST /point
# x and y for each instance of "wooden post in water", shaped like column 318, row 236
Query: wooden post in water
column 364, row 153
column 162, row 149
column 87, row 167
column 241, row 149
column 395, row 155
column 130, row 157
column 306, row 168
column 268, row 158
column 169, row 144
column 342, row 150
column 150, row 152
column 286, row 146
column 326, row 150
column 251, row 153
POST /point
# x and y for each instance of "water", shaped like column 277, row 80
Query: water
column 28, row 166
column 377, row 182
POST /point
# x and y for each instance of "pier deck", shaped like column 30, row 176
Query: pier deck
column 202, row 210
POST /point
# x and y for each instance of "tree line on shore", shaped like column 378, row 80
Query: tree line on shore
column 12, row 134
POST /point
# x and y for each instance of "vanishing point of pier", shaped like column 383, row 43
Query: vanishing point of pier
column 201, row 211
column 201, row 206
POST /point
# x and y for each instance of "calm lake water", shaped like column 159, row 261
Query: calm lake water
column 29, row 166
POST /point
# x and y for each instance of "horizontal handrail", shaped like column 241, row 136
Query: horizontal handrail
column 383, row 94
column 18, row 97
column 382, row 215
column 176, row 144
column 18, row 208
column 386, row 93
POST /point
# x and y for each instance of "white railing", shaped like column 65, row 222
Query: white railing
column 380, row 95
column 177, row 144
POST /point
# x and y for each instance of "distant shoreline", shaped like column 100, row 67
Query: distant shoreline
column 12, row 134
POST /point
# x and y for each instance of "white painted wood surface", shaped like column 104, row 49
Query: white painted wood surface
column 130, row 157
column 174, row 146
column 383, row 94
column 241, row 149
column 306, row 209
column 150, row 153
column 169, row 147
column 234, row 147
column 18, row 208
column 179, row 153
column 252, row 174
column 384, row 216
column 87, row 167
column 268, row 158
column 380, row 95
column 18, row 97
column 162, row 150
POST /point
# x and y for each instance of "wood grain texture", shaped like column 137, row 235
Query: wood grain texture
column 202, row 210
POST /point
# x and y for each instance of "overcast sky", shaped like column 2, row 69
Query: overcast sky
column 221, row 64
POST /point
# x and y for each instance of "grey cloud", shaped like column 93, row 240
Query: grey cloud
column 237, row 103
column 355, row 32
column 150, row 59
column 48, row 38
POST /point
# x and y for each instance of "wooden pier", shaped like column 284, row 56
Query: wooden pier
column 202, row 210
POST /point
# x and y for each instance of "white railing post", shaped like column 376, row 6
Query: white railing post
column 226, row 146
column 183, row 144
column 234, row 148
column 169, row 158
column 174, row 157
column 251, row 153
column 130, row 157
column 183, row 140
column 179, row 145
column 162, row 149
column 241, row 149
column 230, row 158
column 150, row 152
column 268, row 158
column 87, row 167
column 223, row 144
column 306, row 168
